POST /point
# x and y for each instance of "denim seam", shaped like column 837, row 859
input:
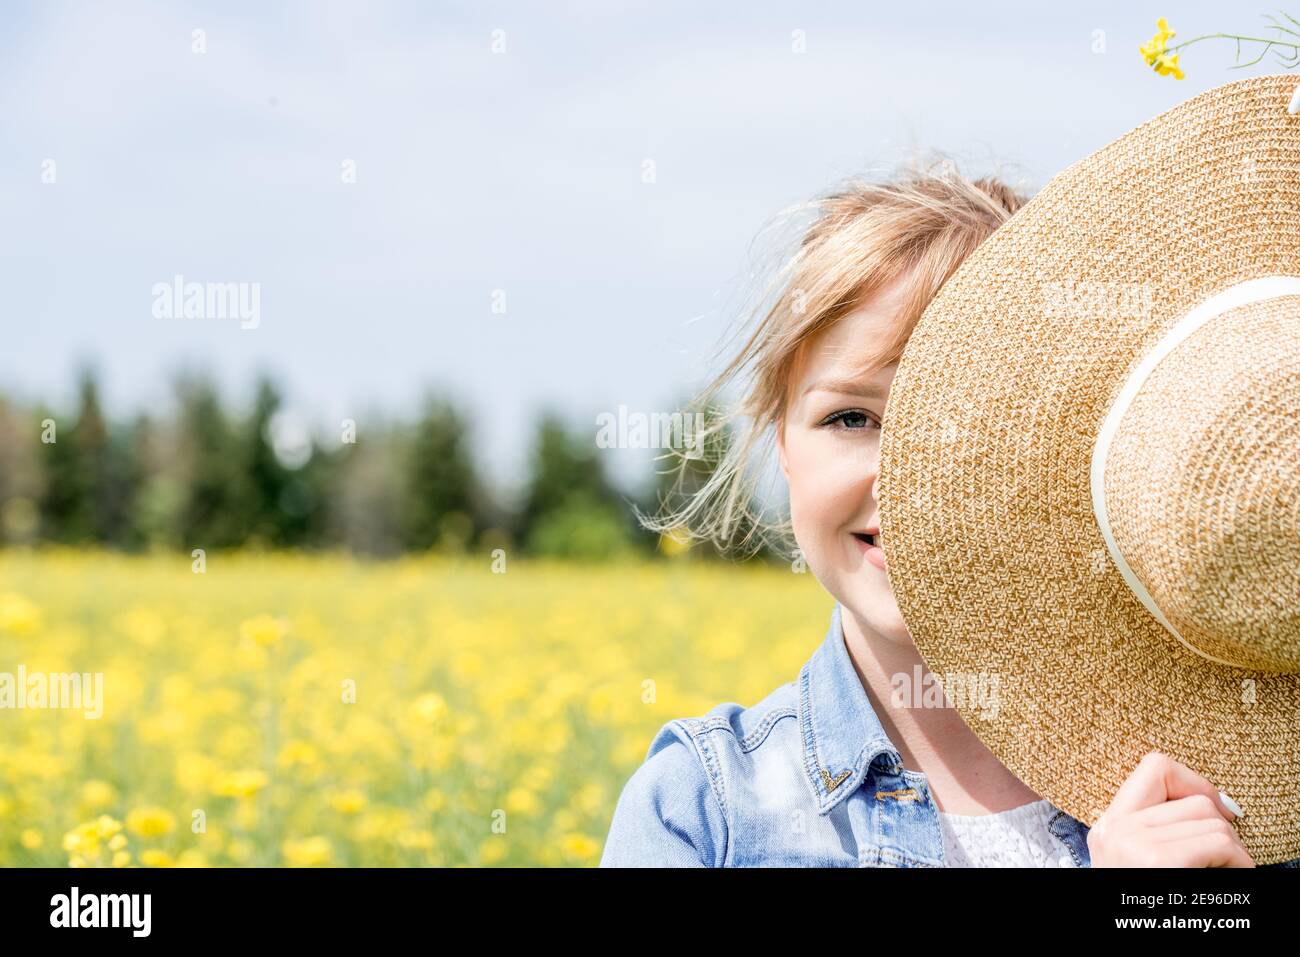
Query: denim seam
column 811, row 751
column 717, row 722
column 810, row 757
column 759, row 734
column 704, row 753
column 893, row 858
column 1051, row 826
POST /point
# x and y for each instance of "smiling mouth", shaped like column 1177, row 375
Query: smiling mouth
column 864, row 537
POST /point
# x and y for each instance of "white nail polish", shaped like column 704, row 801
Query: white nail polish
column 1231, row 805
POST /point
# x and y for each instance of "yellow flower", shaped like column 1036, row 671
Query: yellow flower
column 1167, row 65
column 348, row 802
column 522, row 800
column 121, row 858
column 492, row 850
column 297, row 752
column 309, row 852
column 85, row 840
column 150, row 821
column 580, row 846
column 1154, row 52
column 243, row 783
column 264, row 630
column 18, row 615
column 97, row 793
column 430, row 707
column 375, row 782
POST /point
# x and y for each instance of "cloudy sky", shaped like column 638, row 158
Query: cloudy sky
column 499, row 153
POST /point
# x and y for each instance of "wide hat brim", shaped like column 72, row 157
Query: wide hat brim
column 993, row 550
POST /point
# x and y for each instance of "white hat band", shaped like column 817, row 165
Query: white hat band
column 1241, row 294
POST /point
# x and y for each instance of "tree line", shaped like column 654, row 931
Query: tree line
column 200, row 476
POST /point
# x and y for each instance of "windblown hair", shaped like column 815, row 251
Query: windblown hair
column 916, row 227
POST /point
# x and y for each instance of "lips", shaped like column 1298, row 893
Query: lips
column 869, row 542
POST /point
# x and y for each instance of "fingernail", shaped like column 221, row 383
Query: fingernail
column 1231, row 805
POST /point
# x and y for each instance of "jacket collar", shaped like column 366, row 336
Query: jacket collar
column 841, row 734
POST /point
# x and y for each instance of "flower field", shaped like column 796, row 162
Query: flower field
column 286, row 710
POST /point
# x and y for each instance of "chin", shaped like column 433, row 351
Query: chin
column 879, row 612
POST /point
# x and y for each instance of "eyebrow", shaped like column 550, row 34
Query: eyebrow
column 848, row 387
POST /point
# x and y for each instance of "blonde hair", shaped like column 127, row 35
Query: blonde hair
column 920, row 225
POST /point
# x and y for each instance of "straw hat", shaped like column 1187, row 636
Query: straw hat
column 1090, row 470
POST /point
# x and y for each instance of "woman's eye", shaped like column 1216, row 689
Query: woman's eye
column 850, row 419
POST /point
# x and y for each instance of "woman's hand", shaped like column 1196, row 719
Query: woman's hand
column 1166, row 815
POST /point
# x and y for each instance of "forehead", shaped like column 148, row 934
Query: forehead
column 844, row 345
column 839, row 351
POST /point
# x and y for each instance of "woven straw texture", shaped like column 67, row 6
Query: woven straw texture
column 1205, row 505
column 993, row 550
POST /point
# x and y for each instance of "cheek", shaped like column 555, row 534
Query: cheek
column 825, row 488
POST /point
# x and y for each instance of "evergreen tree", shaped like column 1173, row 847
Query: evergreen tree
column 274, row 506
column 75, row 468
column 569, row 508
column 213, row 505
column 118, row 487
column 93, row 448
column 443, row 501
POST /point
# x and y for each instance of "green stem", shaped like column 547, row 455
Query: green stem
column 1231, row 36
column 1293, row 58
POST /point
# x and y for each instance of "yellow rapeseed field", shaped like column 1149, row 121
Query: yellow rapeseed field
column 281, row 709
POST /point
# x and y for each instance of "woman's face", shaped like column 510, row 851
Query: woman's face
column 830, row 453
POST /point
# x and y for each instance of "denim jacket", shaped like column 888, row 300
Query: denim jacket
column 807, row 777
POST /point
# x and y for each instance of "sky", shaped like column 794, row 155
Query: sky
column 526, row 205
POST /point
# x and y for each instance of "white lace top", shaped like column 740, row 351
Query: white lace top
column 1017, row 837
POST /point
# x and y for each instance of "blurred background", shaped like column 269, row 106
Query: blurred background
column 437, row 247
